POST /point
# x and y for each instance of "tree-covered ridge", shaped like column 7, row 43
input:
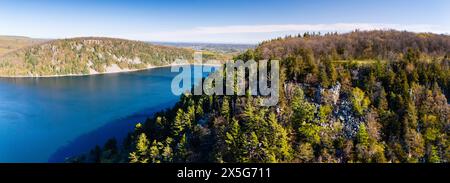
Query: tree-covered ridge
column 394, row 111
column 356, row 45
column 87, row 56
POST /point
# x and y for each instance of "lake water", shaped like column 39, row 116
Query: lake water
column 48, row 119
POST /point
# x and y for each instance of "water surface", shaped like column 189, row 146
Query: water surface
column 44, row 119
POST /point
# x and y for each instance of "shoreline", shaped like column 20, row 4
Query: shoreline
column 109, row 72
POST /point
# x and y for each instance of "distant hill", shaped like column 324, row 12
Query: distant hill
column 216, row 47
column 89, row 55
column 217, row 51
column 11, row 43
column 357, row 45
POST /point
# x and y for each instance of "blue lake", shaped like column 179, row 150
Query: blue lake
column 49, row 119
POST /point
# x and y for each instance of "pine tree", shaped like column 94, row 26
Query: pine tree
column 110, row 151
column 410, row 118
column 140, row 155
column 280, row 145
column 310, row 133
column 323, row 78
column 303, row 110
column 190, row 115
column 362, row 144
column 154, row 153
column 232, row 140
column 359, row 101
column 415, row 145
column 96, row 154
column 189, row 118
column 199, row 108
column 182, row 149
column 225, row 110
column 253, row 148
column 167, row 152
column 434, row 156
column 331, row 70
column 178, row 125
column 249, row 110
column 382, row 103
column 362, row 136
column 305, row 152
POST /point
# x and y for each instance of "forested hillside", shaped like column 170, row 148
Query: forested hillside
column 357, row 45
column 12, row 43
column 378, row 96
column 87, row 56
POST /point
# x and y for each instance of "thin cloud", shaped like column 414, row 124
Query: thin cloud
column 339, row 27
column 308, row 27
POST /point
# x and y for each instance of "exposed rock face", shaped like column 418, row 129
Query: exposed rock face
column 136, row 60
column 328, row 95
column 342, row 108
column 335, row 91
column 344, row 112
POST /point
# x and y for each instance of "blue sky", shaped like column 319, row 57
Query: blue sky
column 226, row 21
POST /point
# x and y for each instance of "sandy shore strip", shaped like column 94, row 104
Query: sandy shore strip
column 111, row 70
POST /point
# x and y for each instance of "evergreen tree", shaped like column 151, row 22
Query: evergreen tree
column 253, row 148
column 280, row 145
column 362, row 136
column 303, row 110
column 225, row 110
column 179, row 123
column 382, row 103
column 415, row 145
column 141, row 153
column 154, row 153
column 190, row 116
column 167, row 152
column 232, row 139
column 182, row 149
column 249, row 110
column 362, row 144
column 199, row 108
column 434, row 156
column 310, row 132
column 305, row 153
column 359, row 100
column 96, row 154
column 110, row 151
column 323, row 78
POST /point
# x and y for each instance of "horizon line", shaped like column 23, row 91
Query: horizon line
column 222, row 42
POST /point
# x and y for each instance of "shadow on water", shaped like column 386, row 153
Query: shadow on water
column 117, row 129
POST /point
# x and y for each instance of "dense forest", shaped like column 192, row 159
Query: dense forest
column 87, row 56
column 364, row 96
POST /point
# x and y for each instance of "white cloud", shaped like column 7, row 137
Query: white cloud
column 217, row 34
column 257, row 33
column 304, row 27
